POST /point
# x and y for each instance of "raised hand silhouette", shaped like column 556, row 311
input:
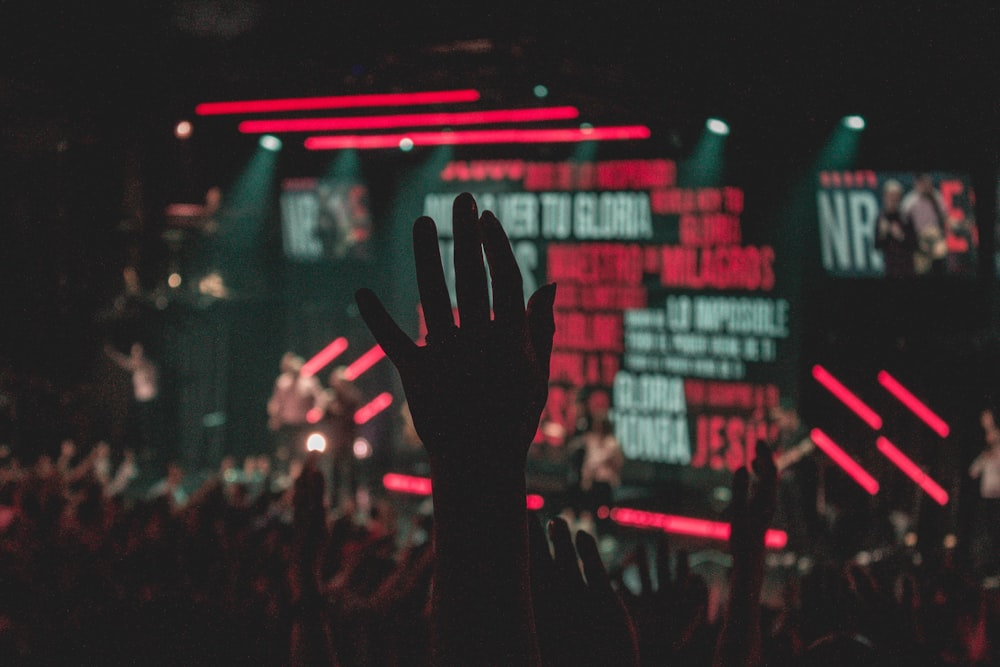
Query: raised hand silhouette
column 476, row 392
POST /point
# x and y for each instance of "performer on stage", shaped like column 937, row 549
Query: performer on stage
column 340, row 401
column 798, row 508
column 143, row 429
column 293, row 397
column 986, row 469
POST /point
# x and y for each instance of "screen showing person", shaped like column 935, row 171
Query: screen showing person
column 896, row 225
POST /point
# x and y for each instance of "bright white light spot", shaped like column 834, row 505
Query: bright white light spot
column 183, row 129
column 316, row 443
column 717, row 126
column 541, row 91
column 174, row 280
column 362, row 448
column 270, row 142
column 854, row 122
column 406, row 144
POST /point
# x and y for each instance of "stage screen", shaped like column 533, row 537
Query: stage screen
column 896, row 225
column 669, row 307
column 324, row 219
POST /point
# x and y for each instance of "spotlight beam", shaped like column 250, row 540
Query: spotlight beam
column 477, row 137
column 916, row 406
column 337, row 102
column 685, row 525
column 847, row 397
column 912, row 470
column 840, row 457
column 408, row 120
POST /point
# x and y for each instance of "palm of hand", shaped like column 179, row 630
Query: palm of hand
column 484, row 383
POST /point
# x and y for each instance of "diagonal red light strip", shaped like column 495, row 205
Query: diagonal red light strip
column 464, row 137
column 912, row 470
column 916, row 406
column 368, row 411
column 421, row 486
column 363, row 363
column 408, row 120
column 337, row 102
column 840, row 457
column 683, row 525
column 323, row 357
column 847, row 397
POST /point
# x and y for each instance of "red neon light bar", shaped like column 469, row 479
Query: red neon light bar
column 363, row 363
column 367, row 411
column 408, row 120
column 421, row 486
column 916, row 406
column 534, row 501
column 840, row 457
column 463, row 137
column 683, row 525
column 337, row 102
column 323, row 357
column 847, row 397
column 912, row 470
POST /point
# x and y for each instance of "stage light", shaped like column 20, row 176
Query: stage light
column 368, row 411
column 363, row 363
column 337, row 102
column 534, row 501
column 683, row 525
column 313, row 415
column 916, row 406
column 406, row 144
column 479, row 137
column 540, row 91
column 270, row 142
column 316, row 443
column 717, row 126
column 854, row 122
column 910, row 539
column 362, row 449
column 408, row 120
column 319, row 360
column 420, row 486
column 912, row 470
column 174, row 280
column 847, row 397
column 847, row 464
column 183, row 129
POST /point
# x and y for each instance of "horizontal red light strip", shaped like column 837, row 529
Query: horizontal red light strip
column 847, row 397
column 323, row 357
column 683, row 525
column 916, row 406
column 367, row 411
column 912, row 470
column 840, row 457
column 337, row 102
column 462, row 137
column 421, row 486
column 408, row 120
column 363, row 363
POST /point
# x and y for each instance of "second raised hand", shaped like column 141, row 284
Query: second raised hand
column 475, row 390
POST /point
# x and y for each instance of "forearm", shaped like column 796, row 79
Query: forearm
column 740, row 642
column 481, row 602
